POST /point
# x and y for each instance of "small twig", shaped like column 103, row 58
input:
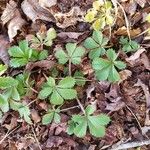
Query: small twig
column 66, row 109
column 69, row 67
column 36, row 138
column 32, row 102
column 134, row 117
column 143, row 32
column 131, row 145
column 7, row 134
column 82, row 108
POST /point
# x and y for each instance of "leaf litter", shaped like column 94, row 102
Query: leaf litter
column 126, row 102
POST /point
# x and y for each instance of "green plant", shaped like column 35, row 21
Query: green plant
column 52, row 115
column 95, row 123
column 22, row 54
column 3, row 68
column 80, row 79
column 129, row 45
column 73, row 55
column 100, row 15
column 96, row 44
column 60, row 92
column 44, row 38
column 106, row 68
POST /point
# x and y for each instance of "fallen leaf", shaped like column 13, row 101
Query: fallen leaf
column 47, row 3
column 4, row 44
column 34, row 11
column 89, row 91
column 12, row 16
column 35, row 116
column 123, row 32
column 132, row 59
column 141, row 2
column 124, row 74
column 64, row 20
column 44, row 64
column 145, row 61
column 71, row 35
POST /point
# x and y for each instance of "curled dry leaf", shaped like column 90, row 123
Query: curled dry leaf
column 132, row 59
column 12, row 16
column 34, row 11
column 4, row 44
column 45, row 64
column 71, row 35
column 47, row 3
column 123, row 32
column 64, row 20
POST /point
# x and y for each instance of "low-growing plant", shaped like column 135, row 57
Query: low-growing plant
column 100, row 15
column 44, row 38
column 106, row 68
column 79, row 124
column 96, row 44
column 129, row 45
column 22, row 54
column 50, row 116
column 57, row 93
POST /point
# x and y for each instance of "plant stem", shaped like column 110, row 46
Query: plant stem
column 69, row 67
column 66, row 109
column 81, row 106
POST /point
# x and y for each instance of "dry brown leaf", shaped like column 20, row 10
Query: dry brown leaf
column 145, row 61
column 12, row 16
column 45, row 64
column 141, row 2
column 132, row 59
column 47, row 3
column 64, row 20
column 34, row 11
column 4, row 44
column 35, row 116
column 71, row 35
column 123, row 31
column 124, row 74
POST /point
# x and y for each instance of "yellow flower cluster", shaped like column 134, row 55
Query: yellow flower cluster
column 100, row 15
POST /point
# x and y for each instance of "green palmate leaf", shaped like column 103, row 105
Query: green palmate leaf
column 129, row 45
column 96, row 44
column 58, row 93
column 39, row 55
column 2, row 99
column 20, row 54
column 95, row 123
column 7, row 82
column 80, row 79
column 3, row 68
column 24, row 112
column 73, row 53
column 106, row 68
column 52, row 115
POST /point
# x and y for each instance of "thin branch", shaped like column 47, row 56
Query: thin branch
column 36, row 138
column 81, row 106
column 69, row 67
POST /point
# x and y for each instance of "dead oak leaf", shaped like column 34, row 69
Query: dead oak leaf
column 12, row 16
column 47, row 3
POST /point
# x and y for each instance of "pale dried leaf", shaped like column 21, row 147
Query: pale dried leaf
column 71, row 35
column 9, row 12
column 47, row 3
column 145, row 61
column 141, row 2
column 34, row 11
column 64, row 20
column 124, row 74
column 132, row 59
column 35, row 116
column 3, row 49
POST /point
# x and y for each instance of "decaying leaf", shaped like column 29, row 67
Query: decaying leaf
column 141, row 2
column 123, row 31
column 12, row 16
column 132, row 59
column 34, row 11
column 124, row 74
column 64, row 20
column 47, row 3
column 71, row 35
column 145, row 61
column 4, row 44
